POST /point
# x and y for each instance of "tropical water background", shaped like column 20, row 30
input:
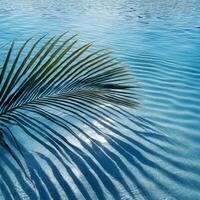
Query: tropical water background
column 160, row 42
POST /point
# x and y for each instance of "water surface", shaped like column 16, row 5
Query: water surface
column 160, row 42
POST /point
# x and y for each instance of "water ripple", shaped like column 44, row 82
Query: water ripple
column 154, row 154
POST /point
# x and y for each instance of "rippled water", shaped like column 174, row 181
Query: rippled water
column 160, row 42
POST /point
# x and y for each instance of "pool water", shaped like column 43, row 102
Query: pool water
column 160, row 42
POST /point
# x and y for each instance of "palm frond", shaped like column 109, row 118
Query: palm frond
column 61, row 74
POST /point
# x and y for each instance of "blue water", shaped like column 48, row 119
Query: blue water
column 160, row 42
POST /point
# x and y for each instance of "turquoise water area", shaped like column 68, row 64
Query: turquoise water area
column 160, row 42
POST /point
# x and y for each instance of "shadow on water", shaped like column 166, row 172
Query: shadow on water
column 102, row 166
